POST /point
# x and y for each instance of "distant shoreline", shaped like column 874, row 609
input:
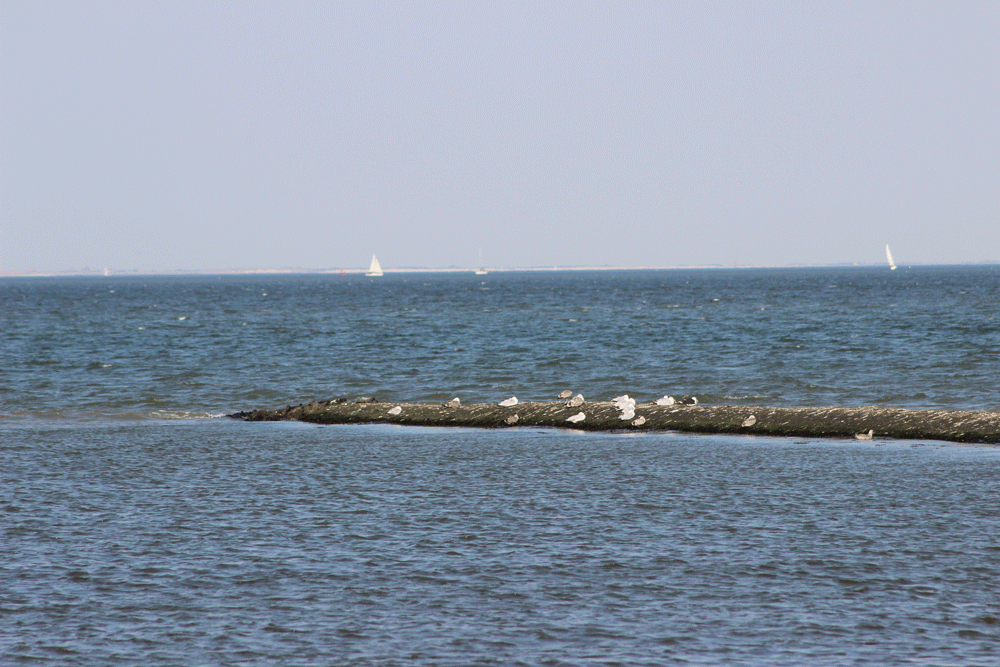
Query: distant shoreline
column 404, row 270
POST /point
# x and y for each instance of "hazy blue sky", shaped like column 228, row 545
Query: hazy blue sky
column 212, row 135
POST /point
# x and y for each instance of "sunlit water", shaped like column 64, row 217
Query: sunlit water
column 137, row 528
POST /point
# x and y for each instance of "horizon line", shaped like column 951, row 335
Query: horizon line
column 452, row 269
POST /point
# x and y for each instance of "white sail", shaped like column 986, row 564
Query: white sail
column 888, row 256
column 375, row 269
column 481, row 271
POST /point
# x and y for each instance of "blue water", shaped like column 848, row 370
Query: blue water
column 137, row 526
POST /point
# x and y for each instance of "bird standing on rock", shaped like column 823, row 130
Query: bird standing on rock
column 575, row 402
column 453, row 403
column 509, row 402
column 690, row 400
column 626, row 406
column 566, row 393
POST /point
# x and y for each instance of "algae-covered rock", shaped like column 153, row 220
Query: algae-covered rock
column 950, row 425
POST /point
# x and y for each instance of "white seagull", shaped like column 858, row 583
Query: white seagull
column 396, row 410
column 626, row 406
column 749, row 421
column 624, row 402
column 577, row 418
column 509, row 402
column 865, row 436
column 453, row 403
column 639, row 422
column 575, row 402
column 666, row 400
column 511, row 420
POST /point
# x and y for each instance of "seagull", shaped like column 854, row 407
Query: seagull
column 627, row 414
column 396, row 410
column 624, row 402
column 575, row 402
column 690, row 401
column 865, row 436
column 509, row 402
column 639, row 422
column 511, row 420
column 566, row 393
column 749, row 421
column 453, row 403
column 666, row 400
column 577, row 418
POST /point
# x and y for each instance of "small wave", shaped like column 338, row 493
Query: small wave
column 60, row 415
column 94, row 365
column 749, row 397
column 180, row 414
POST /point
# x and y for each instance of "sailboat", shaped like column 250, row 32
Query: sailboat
column 888, row 256
column 374, row 269
column 481, row 271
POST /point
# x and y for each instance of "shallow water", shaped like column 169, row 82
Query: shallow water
column 217, row 542
column 137, row 528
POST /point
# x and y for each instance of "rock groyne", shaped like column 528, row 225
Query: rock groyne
column 861, row 422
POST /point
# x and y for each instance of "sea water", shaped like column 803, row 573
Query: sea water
column 138, row 525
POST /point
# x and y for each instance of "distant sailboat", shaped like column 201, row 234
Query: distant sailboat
column 888, row 256
column 481, row 271
column 374, row 269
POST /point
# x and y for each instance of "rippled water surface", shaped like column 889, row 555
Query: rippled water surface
column 926, row 338
column 215, row 542
column 136, row 527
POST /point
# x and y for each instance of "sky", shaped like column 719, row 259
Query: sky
column 163, row 136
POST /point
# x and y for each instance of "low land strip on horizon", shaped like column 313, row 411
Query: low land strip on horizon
column 452, row 269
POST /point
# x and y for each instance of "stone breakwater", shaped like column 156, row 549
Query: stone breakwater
column 858, row 422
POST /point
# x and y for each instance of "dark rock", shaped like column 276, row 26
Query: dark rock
column 950, row 425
